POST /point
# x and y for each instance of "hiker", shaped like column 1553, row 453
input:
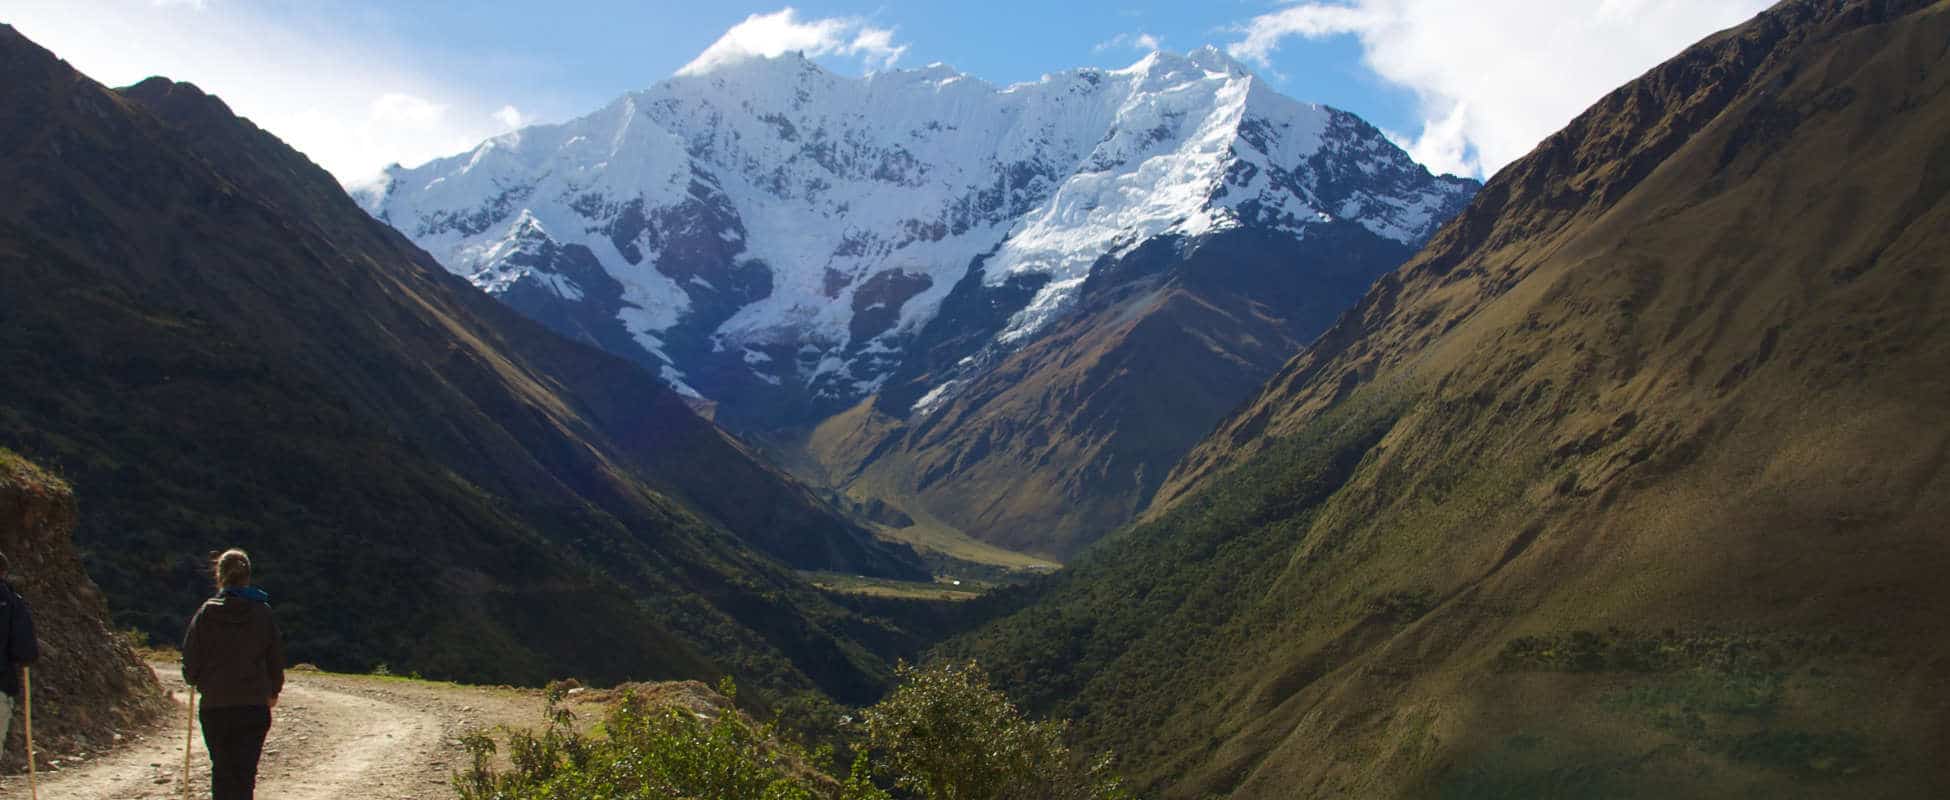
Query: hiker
column 234, row 655
column 17, row 646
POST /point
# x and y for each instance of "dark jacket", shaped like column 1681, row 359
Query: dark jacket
column 18, row 648
column 233, row 652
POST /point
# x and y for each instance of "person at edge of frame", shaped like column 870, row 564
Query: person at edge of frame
column 18, row 647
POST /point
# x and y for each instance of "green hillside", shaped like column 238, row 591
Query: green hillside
column 1631, row 484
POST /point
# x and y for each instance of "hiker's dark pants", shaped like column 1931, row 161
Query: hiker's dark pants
column 235, row 736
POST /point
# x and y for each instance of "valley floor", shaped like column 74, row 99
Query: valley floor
column 332, row 737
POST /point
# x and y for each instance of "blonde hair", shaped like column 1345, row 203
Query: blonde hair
column 233, row 568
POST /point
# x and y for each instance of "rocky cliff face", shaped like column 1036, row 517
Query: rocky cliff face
column 90, row 689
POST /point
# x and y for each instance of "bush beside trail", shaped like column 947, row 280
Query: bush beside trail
column 942, row 734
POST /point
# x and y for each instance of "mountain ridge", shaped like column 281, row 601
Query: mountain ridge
column 852, row 268
column 771, row 229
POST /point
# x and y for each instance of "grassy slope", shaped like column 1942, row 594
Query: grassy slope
column 1631, row 484
column 219, row 348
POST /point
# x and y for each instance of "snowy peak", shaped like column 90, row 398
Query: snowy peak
column 1166, row 68
column 1213, row 59
column 770, row 226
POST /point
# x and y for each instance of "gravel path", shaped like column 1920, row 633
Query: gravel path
column 332, row 737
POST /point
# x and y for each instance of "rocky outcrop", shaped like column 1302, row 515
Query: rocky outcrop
column 90, row 688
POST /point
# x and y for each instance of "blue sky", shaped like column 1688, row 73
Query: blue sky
column 1465, row 85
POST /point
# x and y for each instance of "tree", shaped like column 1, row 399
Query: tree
column 945, row 734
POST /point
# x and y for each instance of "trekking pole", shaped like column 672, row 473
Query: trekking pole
column 189, row 742
column 27, row 710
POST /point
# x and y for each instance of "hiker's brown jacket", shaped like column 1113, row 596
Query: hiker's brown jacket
column 233, row 653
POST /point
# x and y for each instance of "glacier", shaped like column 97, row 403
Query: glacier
column 769, row 224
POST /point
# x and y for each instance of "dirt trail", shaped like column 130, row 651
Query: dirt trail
column 332, row 737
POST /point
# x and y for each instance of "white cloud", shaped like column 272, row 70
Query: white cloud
column 406, row 111
column 348, row 106
column 1494, row 77
column 1141, row 42
column 781, row 32
column 511, row 118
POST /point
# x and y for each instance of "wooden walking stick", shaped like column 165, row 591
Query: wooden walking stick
column 27, row 711
column 189, row 743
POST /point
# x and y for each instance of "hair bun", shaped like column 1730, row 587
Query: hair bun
column 233, row 568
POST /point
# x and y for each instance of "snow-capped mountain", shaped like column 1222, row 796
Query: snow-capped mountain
column 774, row 237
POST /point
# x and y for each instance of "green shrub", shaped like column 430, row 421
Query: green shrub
column 945, row 734
column 647, row 753
column 942, row 734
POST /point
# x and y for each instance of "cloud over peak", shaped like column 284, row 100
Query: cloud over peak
column 1492, row 78
column 782, row 31
column 1141, row 42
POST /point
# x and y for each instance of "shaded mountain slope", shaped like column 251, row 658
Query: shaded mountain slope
column 1065, row 439
column 696, row 463
column 220, row 348
column 89, row 688
column 1630, row 484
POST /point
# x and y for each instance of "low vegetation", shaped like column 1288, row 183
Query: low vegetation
column 938, row 589
column 942, row 734
column 1775, row 702
column 1615, row 650
column 19, row 473
column 947, row 549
